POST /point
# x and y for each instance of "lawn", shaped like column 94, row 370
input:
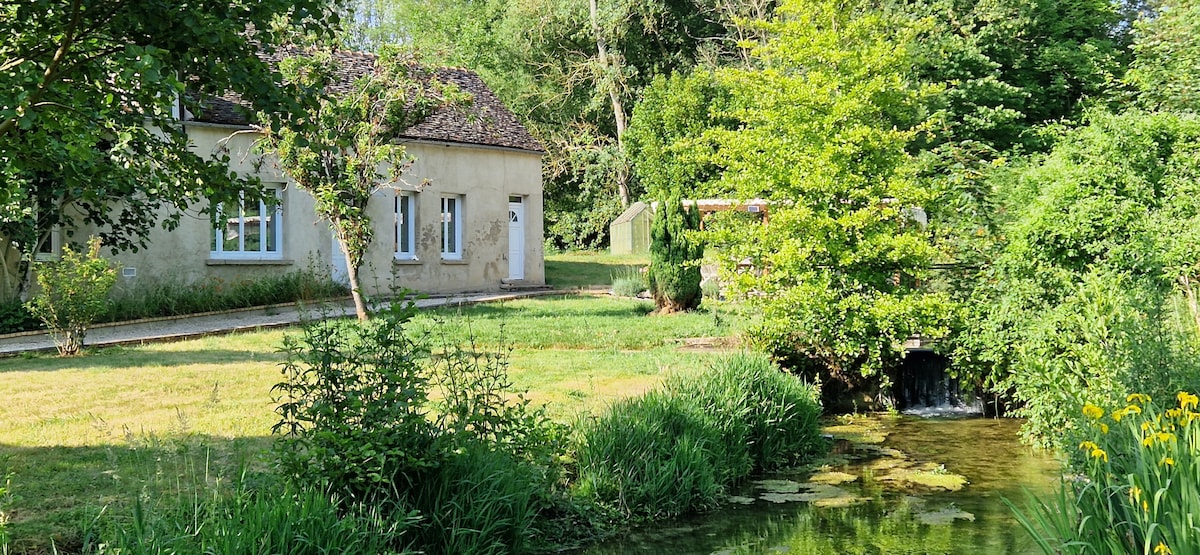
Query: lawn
column 584, row 269
column 86, row 433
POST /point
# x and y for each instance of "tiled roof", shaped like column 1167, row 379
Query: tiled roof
column 484, row 121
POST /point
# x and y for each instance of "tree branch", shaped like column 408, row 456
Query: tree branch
column 64, row 47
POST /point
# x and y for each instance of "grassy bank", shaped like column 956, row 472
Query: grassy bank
column 85, row 433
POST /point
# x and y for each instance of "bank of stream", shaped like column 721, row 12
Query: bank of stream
column 894, row 485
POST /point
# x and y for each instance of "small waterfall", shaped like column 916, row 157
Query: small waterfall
column 923, row 387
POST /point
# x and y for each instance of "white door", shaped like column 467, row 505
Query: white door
column 516, row 238
column 339, row 272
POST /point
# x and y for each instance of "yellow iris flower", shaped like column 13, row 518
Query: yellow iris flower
column 1187, row 400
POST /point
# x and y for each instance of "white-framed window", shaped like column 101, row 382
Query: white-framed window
column 406, row 225
column 248, row 230
column 452, row 228
column 49, row 245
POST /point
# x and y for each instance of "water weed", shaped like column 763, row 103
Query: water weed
column 1139, row 488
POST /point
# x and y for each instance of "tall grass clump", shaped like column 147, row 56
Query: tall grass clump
column 171, row 297
column 629, row 281
column 5, row 482
column 277, row 520
column 676, row 449
column 357, row 417
column 1139, row 488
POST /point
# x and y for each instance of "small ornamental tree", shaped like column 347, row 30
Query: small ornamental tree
column 73, row 294
column 345, row 149
column 675, row 257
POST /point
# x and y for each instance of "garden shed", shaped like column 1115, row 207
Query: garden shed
column 630, row 232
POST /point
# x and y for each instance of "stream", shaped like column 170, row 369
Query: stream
column 894, row 485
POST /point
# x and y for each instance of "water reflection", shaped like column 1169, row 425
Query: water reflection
column 887, row 515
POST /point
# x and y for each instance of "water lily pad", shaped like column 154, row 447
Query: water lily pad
column 946, row 515
column 832, row 477
column 939, row 479
column 778, row 486
column 740, row 500
column 784, row 497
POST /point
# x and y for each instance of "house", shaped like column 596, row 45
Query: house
column 466, row 217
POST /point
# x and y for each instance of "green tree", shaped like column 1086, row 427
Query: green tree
column 1007, row 66
column 839, row 259
column 672, row 137
column 90, row 94
column 1166, row 66
column 542, row 58
column 1087, row 298
column 343, row 150
column 675, row 253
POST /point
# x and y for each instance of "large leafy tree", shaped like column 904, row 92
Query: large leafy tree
column 822, row 134
column 543, row 58
column 344, row 149
column 90, row 92
column 1091, row 295
column 1166, row 69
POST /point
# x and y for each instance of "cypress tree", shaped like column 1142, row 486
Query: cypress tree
column 674, row 257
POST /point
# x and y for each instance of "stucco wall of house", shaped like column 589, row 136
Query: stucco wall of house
column 484, row 177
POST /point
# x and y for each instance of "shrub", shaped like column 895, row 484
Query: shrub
column 675, row 450
column 1140, row 489
column 1113, row 335
column 675, row 255
column 15, row 317
column 629, row 281
column 356, row 413
column 73, row 294
column 353, row 407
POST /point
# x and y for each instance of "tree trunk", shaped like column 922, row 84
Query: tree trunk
column 618, row 107
column 1193, row 306
column 360, row 308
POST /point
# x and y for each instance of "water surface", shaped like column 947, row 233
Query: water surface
column 896, row 497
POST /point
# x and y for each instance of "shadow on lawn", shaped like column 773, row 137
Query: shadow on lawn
column 129, row 357
column 501, row 311
column 569, row 273
column 59, row 491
